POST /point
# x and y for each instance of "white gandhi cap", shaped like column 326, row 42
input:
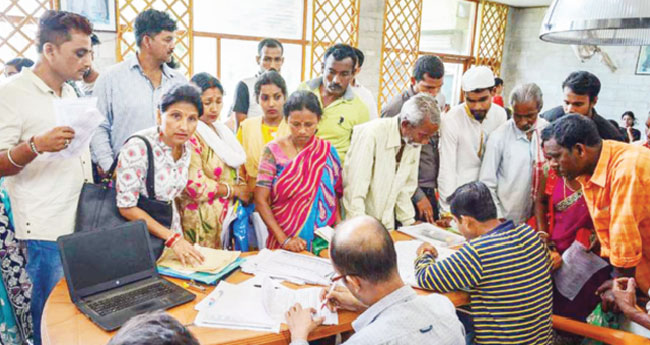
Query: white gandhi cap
column 477, row 77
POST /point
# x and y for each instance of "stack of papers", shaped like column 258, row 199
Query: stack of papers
column 201, row 277
column 293, row 267
column 217, row 264
column 406, row 256
column 257, row 305
column 82, row 116
column 215, row 260
column 435, row 235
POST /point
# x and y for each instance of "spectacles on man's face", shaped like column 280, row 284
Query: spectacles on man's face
column 335, row 278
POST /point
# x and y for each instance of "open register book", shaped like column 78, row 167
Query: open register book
column 256, row 304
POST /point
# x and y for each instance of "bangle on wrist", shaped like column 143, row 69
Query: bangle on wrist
column 285, row 242
column 32, row 146
column 172, row 239
column 229, row 191
column 11, row 160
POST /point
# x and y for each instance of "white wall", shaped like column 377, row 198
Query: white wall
column 529, row 59
column 105, row 52
column 371, row 21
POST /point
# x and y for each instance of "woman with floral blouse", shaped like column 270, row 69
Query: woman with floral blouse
column 213, row 184
column 177, row 117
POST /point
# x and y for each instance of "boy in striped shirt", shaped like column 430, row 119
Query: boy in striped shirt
column 506, row 268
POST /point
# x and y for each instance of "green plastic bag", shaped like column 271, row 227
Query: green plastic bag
column 319, row 244
column 603, row 319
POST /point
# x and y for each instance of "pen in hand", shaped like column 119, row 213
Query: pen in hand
column 329, row 291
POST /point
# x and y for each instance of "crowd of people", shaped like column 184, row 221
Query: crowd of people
column 528, row 190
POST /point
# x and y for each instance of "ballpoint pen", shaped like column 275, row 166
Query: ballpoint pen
column 329, row 291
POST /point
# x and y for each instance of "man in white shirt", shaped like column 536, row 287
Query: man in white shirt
column 380, row 173
column 510, row 166
column 269, row 58
column 44, row 193
column 366, row 96
column 364, row 258
column 464, row 132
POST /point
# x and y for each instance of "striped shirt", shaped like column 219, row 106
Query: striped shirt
column 507, row 272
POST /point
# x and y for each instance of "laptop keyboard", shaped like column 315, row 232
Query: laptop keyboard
column 110, row 305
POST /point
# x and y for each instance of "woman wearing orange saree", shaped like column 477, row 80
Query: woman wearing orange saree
column 299, row 180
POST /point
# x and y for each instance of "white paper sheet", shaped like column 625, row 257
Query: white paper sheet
column 258, row 305
column 293, row 267
column 82, row 116
column 235, row 307
column 578, row 265
column 278, row 299
column 406, row 255
column 325, row 233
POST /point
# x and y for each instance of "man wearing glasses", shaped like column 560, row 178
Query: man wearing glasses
column 365, row 261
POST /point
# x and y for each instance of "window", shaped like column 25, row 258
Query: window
column 18, row 25
column 447, row 26
column 448, row 31
column 226, row 34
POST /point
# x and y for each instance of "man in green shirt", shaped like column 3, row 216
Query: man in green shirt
column 342, row 108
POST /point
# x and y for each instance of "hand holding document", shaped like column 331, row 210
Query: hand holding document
column 82, row 116
column 215, row 260
column 406, row 256
column 257, row 304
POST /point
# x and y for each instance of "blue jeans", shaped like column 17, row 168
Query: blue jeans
column 44, row 270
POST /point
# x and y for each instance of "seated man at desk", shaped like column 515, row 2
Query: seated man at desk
column 506, row 266
column 365, row 261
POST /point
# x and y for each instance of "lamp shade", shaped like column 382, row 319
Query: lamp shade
column 597, row 22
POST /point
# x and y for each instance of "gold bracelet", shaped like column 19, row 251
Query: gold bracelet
column 11, row 160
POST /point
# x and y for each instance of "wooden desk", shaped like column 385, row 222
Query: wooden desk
column 64, row 324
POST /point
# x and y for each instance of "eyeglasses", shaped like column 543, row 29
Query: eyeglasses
column 335, row 278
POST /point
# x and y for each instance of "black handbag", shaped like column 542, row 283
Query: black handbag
column 98, row 210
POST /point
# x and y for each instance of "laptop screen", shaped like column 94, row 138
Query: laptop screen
column 107, row 258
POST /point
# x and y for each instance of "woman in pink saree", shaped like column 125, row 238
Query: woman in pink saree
column 299, row 180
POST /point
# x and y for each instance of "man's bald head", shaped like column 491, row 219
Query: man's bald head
column 362, row 247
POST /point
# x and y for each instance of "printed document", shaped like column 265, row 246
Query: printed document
column 82, row 116
column 406, row 255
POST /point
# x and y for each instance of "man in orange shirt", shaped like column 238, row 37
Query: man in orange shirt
column 615, row 179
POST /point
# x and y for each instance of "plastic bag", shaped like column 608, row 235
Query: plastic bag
column 603, row 319
column 242, row 228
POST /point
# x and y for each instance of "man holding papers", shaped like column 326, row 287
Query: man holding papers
column 505, row 266
column 44, row 193
column 365, row 262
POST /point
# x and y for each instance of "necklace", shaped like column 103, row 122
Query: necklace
column 294, row 145
column 568, row 186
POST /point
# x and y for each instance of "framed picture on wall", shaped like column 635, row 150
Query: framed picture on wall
column 100, row 12
column 643, row 63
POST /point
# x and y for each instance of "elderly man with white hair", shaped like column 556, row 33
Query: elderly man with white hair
column 380, row 173
column 511, row 162
column 464, row 132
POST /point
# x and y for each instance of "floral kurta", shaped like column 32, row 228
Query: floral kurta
column 202, row 212
column 170, row 174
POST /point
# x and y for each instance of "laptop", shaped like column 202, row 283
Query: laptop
column 112, row 275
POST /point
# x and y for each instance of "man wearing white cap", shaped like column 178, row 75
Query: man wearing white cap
column 464, row 132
